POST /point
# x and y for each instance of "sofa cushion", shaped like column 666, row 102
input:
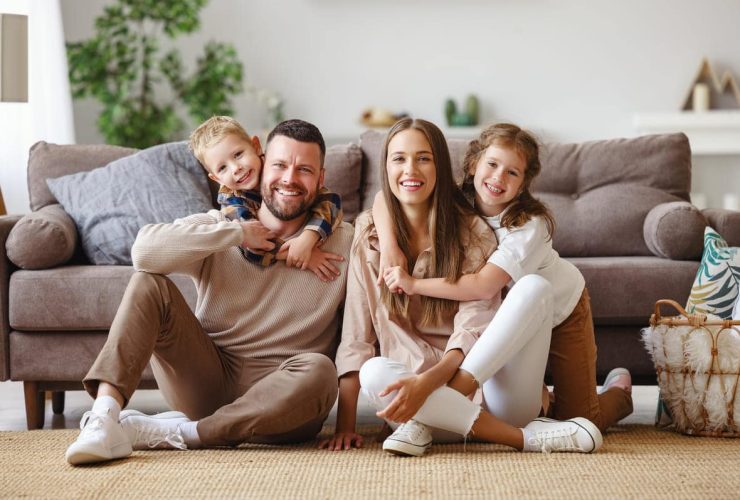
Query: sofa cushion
column 33, row 357
column 624, row 290
column 601, row 191
column 372, row 142
column 726, row 222
column 110, row 204
column 343, row 164
column 47, row 160
column 675, row 230
column 74, row 297
column 717, row 283
column 42, row 239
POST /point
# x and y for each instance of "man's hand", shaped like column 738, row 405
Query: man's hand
column 256, row 236
column 342, row 441
column 321, row 264
column 300, row 248
column 399, row 281
column 412, row 393
column 390, row 256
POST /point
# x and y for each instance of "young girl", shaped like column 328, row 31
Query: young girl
column 499, row 169
column 434, row 352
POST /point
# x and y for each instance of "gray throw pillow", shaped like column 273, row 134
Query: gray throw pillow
column 110, row 204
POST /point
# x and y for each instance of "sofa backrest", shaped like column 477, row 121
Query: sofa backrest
column 47, row 161
column 599, row 192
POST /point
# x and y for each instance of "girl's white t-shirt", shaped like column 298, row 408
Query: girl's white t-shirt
column 528, row 250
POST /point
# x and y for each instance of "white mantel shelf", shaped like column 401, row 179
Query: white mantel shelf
column 709, row 132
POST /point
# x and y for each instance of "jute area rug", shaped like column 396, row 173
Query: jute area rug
column 637, row 461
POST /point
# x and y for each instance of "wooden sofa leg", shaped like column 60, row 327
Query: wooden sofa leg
column 35, row 405
column 57, row 402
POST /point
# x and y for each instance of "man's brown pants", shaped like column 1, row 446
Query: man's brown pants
column 235, row 399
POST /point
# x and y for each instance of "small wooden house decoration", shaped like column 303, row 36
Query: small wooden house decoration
column 721, row 93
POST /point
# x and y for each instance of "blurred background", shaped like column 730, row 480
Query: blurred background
column 570, row 70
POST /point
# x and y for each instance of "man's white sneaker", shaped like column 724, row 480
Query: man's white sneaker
column 154, row 431
column 409, row 439
column 101, row 438
column 577, row 434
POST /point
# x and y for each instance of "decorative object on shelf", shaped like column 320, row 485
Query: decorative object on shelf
column 709, row 92
column 118, row 66
column 468, row 117
column 731, row 201
column 13, row 58
column 380, row 117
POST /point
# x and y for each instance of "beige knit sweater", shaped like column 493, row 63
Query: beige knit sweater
column 256, row 312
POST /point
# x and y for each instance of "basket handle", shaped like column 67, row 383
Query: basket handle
column 669, row 302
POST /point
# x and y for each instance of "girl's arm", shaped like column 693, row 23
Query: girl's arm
column 390, row 254
column 483, row 285
column 414, row 391
column 344, row 434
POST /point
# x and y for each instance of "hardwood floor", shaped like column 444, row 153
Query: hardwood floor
column 13, row 416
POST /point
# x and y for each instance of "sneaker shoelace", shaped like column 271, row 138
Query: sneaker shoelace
column 558, row 440
column 409, row 432
column 154, row 436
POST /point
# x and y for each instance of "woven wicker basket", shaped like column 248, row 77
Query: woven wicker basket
column 697, row 359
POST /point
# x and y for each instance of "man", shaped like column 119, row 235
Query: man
column 252, row 363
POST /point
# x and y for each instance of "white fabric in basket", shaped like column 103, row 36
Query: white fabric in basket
column 683, row 355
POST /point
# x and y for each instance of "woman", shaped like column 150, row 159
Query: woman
column 435, row 352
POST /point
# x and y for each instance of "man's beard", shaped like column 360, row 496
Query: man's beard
column 286, row 214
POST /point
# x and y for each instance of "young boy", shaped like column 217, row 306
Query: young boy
column 234, row 160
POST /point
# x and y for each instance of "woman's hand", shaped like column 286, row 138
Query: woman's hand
column 399, row 281
column 342, row 441
column 390, row 256
column 412, row 393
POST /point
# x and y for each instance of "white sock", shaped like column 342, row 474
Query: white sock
column 107, row 405
column 190, row 435
column 534, row 445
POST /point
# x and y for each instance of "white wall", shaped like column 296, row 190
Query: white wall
column 571, row 70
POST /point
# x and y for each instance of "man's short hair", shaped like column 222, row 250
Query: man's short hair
column 212, row 131
column 301, row 131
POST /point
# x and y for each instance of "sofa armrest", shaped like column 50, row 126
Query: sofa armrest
column 726, row 223
column 6, row 224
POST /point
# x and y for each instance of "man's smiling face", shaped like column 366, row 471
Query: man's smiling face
column 291, row 177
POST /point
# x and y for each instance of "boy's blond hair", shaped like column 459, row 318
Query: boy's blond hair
column 211, row 132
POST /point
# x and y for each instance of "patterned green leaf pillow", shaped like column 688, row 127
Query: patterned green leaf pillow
column 717, row 282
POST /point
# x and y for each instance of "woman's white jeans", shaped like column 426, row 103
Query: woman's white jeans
column 508, row 361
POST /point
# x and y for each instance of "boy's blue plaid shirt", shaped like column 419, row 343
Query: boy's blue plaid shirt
column 326, row 214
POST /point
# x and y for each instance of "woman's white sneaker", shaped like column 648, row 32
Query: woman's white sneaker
column 154, row 431
column 409, row 439
column 101, row 438
column 576, row 435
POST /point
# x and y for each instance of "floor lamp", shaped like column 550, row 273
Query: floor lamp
column 13, row 64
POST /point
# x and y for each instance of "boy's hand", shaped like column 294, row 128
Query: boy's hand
column 399, row 281
column 320, row 264
column 300, row 248
column 390, row 256
column 256, row 236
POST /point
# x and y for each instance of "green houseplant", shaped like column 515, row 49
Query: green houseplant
column 122, row 68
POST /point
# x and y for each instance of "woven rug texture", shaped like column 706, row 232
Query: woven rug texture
column 637, row 461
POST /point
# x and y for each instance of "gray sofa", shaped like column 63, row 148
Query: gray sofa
column 622, row 214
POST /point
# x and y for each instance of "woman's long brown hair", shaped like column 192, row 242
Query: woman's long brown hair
column 447, row 224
